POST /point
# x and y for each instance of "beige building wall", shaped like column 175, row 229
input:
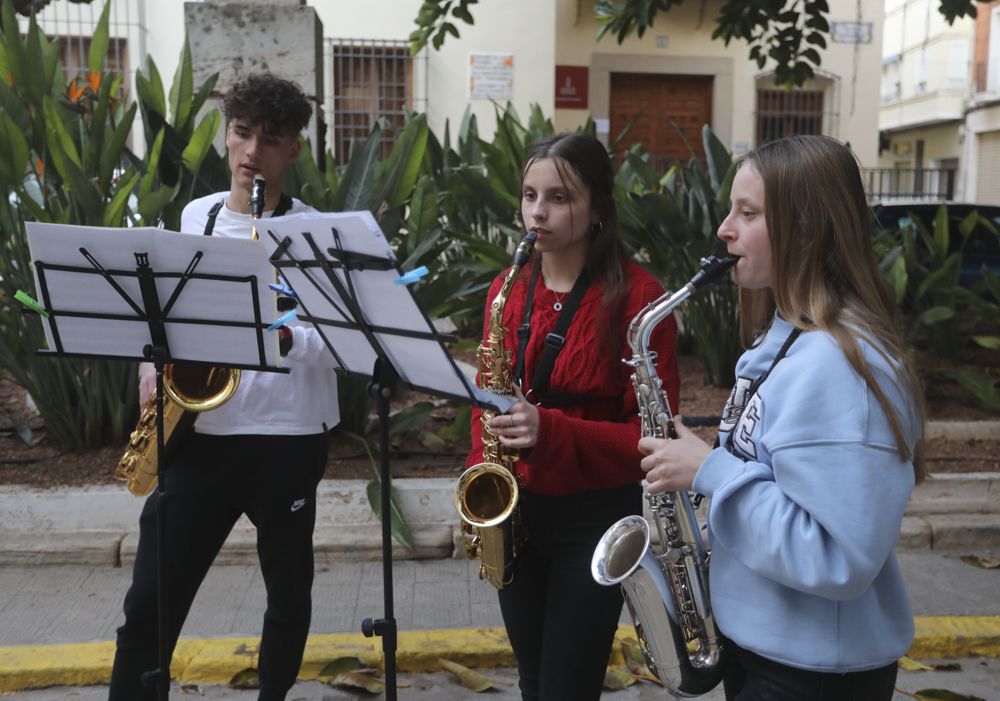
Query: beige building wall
column 980, row 181
column 680, row 42
column 942, row 146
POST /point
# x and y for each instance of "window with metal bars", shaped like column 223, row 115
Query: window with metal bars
column 74, row 50
column 372, row 80
column 782, row 113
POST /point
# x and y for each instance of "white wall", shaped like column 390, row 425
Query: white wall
column 523, row 28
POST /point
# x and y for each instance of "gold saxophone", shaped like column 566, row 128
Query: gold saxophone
column 665, row 588
column 486, row 494
column 189, row 389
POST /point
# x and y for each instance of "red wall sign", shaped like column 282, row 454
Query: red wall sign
column 571, row 86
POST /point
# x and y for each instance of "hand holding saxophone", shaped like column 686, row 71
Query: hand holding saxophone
column 147, row 382
column 671, row 463
column 518, row 428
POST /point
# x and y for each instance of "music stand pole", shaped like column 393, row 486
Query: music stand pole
column 160, row 677
column 382, row 387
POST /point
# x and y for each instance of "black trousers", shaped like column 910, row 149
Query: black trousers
column 751, row 677
column 560, row 622
column 210, row 483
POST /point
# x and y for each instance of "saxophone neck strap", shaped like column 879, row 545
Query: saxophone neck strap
column 755, row 385
column 554, row 341
column 284, row 204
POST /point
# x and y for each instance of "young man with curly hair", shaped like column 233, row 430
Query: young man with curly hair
column 261, row 454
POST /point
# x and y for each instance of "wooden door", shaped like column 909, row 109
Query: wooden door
column 665, row 101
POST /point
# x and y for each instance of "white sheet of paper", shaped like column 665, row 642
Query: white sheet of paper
column 420, row 362
column 169, row 252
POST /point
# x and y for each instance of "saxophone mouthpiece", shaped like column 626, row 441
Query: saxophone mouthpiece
column 524, row 248
column 257, row 196
column 712, row 270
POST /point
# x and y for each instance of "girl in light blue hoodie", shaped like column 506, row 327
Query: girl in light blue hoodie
column 819, row 440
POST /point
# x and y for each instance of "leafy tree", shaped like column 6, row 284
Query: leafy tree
column 789, row 32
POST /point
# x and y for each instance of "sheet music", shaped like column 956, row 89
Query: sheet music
column 125, row 335
column 400, row 327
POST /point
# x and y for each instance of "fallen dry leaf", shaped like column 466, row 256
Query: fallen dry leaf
column 340, row 665
column 469, row 678
column 912, row 665
column 245, row 679
column 618, row 678
column 358, row 680
column 987, row 562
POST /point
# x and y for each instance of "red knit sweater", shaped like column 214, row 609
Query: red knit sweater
column 591, row 445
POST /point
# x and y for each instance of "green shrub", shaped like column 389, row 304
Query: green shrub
column 65, row 161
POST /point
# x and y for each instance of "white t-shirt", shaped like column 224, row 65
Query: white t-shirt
column 301, row 402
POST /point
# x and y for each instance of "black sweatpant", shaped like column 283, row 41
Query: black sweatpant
column 560, row 622
column 209, row 484
column 750, row 677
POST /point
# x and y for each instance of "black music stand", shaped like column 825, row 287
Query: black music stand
column 351, row 289
column 101, row 291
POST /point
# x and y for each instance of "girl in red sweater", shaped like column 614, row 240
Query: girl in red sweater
column 576, row 421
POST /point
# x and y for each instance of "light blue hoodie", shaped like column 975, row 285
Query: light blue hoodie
column 804, row 518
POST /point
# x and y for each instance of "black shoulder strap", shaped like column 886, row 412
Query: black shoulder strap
column 555, row 340
column 755, row 385
column 284, row 204
column 212, row 214
column 524, row 330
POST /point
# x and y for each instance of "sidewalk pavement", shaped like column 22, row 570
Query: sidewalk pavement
column 65, row 564
column 57, row 622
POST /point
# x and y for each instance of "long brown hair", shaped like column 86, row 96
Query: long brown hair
column 824, row 272
column 588, row 159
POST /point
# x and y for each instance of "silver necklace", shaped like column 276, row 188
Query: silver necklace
column 558, row 305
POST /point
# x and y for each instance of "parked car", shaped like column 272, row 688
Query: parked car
column 982, row 246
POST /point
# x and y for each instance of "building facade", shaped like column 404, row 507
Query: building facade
column 666, row 85
column 981, row 125
column 925, row 82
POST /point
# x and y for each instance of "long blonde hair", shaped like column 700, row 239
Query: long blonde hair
column 824, row 272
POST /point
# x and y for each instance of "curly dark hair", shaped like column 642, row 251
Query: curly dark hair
column 279, row 106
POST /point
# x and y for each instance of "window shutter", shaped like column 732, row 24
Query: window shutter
column 988, row 169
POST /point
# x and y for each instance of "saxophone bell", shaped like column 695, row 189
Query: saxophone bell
column 625, row 556
column 486, row 495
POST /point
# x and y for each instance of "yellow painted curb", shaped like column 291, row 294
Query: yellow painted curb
column 72, row 664
column 218, row 660
column 943, row 637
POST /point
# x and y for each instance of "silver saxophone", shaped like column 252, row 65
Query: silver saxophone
column 665, row 589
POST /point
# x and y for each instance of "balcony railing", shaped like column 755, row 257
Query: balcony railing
column 885, row 184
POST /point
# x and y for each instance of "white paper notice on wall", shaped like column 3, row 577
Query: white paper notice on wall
column 491, row 77
column 852, row 32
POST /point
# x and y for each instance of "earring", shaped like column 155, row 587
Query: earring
column 597, row 227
